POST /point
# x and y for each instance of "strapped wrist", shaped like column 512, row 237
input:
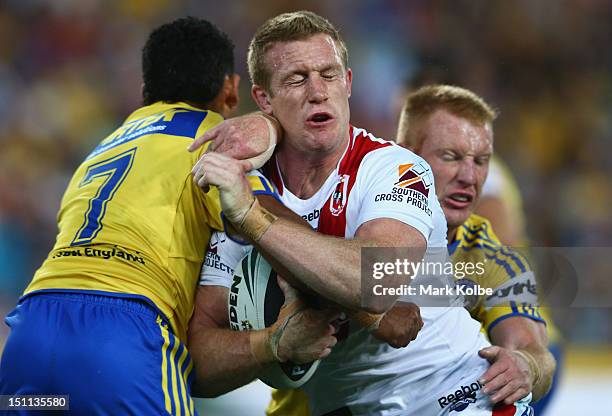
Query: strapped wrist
column 256, row 221
column 260, row 346
column 532, row 363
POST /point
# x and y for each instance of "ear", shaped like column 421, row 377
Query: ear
column 349, row 81
column 230, row 93
column 262, row 98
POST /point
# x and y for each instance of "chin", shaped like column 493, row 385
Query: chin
column 455, row 218
column 326, row 139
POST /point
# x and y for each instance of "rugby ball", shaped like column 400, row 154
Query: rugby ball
column 254, row 302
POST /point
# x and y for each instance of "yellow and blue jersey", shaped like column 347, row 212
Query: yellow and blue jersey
column 132, row 222
column 502, row 269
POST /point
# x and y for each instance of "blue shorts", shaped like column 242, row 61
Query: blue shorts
column 111, row 355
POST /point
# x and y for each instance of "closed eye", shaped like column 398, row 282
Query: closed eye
column 295, row 79
column 482, row 160
column 450, row 156
column 329, row 74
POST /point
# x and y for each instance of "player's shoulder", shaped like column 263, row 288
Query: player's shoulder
column 166, row 112
column 477, row 234
column 178, row 120
column 480, row 228
column 379, row 151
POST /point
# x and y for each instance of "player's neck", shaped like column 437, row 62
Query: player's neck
column 304, row 174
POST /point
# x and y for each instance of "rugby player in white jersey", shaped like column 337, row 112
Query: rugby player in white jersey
column 343, row 180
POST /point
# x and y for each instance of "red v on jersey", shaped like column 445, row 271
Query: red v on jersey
column 333, row 220
column 333, row 211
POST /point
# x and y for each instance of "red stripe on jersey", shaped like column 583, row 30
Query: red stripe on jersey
column 505, row 410
column 331, row 221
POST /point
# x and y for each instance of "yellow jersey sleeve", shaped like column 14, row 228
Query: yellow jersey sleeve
column 506, row 272
column 514, row 288
column 260, row 185
column 285, row 402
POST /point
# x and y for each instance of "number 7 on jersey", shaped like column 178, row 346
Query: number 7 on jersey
column 113, row 170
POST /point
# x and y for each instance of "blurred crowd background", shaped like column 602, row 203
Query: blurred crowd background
column 70, row 72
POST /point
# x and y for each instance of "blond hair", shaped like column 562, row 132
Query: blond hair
column 426, row 100
column 287, row 27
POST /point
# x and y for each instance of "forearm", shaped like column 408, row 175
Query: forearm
column 365, row 319
column 223, row 361
column 276, row 127
column 329, row 266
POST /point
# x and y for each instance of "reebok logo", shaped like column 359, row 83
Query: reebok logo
column 311, row 216
column 461, row 398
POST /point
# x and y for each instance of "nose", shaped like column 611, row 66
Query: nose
column 467, row 172
column 317, row 89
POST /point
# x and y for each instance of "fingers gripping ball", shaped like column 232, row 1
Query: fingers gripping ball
column 255, row 301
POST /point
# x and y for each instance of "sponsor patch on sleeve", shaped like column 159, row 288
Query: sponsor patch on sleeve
column 520, row 289
column 213, row 260
column 412, row 187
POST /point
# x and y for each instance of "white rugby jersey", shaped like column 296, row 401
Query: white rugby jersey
column 375, row 179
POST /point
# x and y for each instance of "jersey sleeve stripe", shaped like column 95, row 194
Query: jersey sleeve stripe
column 513, row 306
column 469, row 240
column 515, row 256
column 262, row 186
column 265, row 184
column 235, row 238
column 452, row 247
column 511, row 257
column 502, row 263
column 518, row 259
column 272, row 193
column 506, row 256
column 472, row 231
column 492, row 254
column 490, row 326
